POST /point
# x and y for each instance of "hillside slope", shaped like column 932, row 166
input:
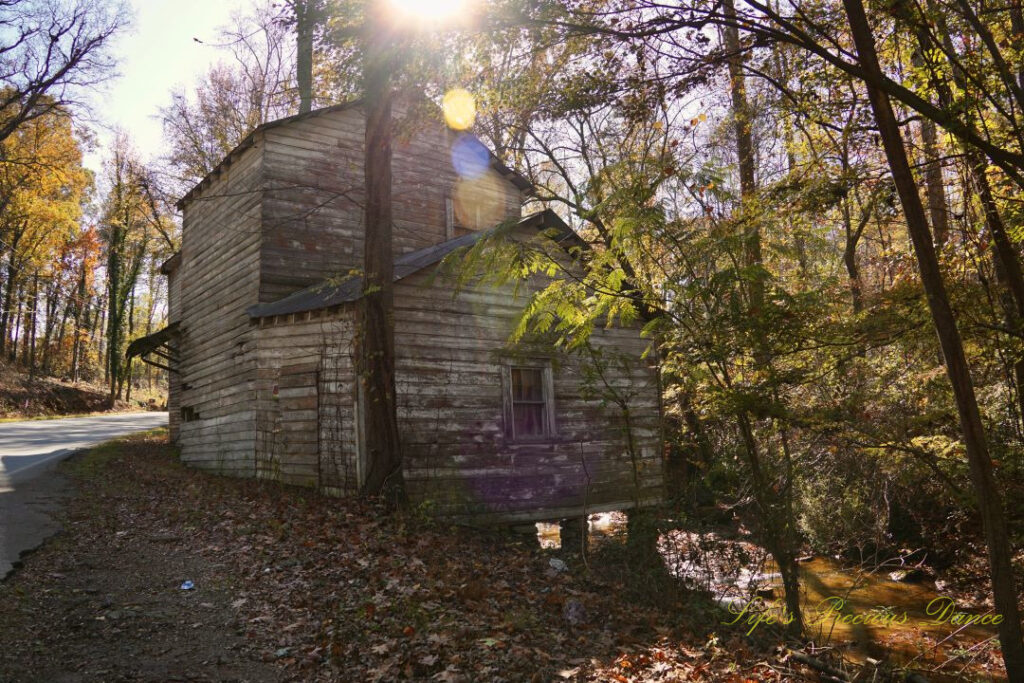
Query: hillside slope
column 45, row 396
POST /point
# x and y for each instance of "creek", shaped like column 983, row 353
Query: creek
column 869, row 615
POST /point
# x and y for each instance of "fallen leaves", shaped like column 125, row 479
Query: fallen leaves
column 329, row 589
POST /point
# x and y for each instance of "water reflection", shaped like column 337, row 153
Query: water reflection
column 601, row 527
column 867, row 614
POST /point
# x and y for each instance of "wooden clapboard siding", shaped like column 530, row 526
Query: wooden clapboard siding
column 312, row 227
column 312, row 212
column 217, row 279
column 278, row 398
column 456, row 451
column 450, row 354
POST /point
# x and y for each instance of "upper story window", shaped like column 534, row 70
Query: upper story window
column 529, row 401
column 449, row 217
column 460, row 222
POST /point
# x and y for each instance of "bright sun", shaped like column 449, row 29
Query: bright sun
column 429, row 11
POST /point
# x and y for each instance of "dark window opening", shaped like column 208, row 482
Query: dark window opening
column 189, row 414
column 529, row 403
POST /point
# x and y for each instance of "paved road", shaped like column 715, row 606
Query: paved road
column 30, row 491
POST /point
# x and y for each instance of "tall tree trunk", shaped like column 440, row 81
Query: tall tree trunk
column 305, row 19
column 50, row 327
column 989, row 500
column 114, row 321
column 82, row 327
column 1006, row 265
column 853, row 274
column 1013, row 275
column 33, row 319
column 153, row 287
column 5, row 315
column 1006, row 259
column 376, row 332
column 124, row 383
column 26, row 337
column 934, row 184
column 853, row 235
column 1017, row 23
column 103, row 348
column 129, row 379
column 76, row 343
column 743, row 130
column 58, row 343
column 777, row 525
column 16, row 336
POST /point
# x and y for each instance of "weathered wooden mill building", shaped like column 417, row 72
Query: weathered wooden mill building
column 263, row 299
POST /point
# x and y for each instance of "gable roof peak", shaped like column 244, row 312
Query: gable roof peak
column 249, row 140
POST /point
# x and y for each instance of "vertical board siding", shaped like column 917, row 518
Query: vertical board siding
column 305, row 418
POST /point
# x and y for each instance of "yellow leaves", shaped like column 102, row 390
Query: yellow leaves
column 701, row 189
column 42, row 178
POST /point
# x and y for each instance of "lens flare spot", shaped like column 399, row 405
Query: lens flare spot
column 459, row 108
column 479, row 203
column 469, row 157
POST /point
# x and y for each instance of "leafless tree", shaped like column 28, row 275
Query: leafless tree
column 50, row 50
column 233, row 97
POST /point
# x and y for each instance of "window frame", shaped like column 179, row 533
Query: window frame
column 449, row 217
column 550, row 427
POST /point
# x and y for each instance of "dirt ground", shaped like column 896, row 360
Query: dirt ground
column 101, row 601
column 289, row 585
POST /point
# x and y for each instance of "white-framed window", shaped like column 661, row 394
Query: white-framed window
column 455, row 222
column 449, row 217
column 529, row 400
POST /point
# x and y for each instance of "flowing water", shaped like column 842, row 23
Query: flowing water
column 868, row 615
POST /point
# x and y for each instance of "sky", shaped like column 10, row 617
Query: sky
column 155, row 54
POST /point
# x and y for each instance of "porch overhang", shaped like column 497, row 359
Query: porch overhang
column 157, row 344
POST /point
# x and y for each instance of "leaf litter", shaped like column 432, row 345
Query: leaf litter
column 292, row 585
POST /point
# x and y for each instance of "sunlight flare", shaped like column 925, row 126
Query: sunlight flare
column 459, row 108
column 428, row 11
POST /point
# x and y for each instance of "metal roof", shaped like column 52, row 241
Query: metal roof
column 332, row 293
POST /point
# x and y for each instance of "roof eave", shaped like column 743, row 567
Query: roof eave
column 171, row 264
column 541, row 220
column 250, row 139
